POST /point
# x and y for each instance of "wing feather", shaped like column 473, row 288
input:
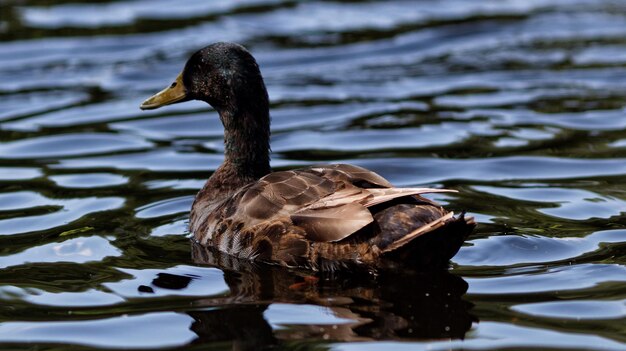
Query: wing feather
column 329, row 203
column 332, row 223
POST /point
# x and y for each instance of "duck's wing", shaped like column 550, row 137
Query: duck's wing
column 329, row 202
column 280, row 194
column 343, row 213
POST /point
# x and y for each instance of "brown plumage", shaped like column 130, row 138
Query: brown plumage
column 321, row 217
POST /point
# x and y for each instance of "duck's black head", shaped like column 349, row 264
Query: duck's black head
column 225, row 75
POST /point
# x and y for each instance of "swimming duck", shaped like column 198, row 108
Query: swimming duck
column 322, row 217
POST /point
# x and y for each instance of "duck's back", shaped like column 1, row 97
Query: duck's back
column 324, row 216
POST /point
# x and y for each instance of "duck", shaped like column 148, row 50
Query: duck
column 321, row 217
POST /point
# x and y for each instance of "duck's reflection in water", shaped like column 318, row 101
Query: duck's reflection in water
column 390, row 305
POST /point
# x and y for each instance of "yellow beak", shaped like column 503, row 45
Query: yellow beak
column 172, row 94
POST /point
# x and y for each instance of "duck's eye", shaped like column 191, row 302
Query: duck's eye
column 173, row 85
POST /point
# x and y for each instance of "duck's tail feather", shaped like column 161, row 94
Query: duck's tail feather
column 431, row 245
column 426, row 228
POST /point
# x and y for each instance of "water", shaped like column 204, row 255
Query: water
column 520, row 105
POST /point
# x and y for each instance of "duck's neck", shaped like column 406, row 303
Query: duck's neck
column 247, row 149
column 247, row 142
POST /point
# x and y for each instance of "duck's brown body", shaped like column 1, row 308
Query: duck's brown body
column 322, row 217
column 325, row 217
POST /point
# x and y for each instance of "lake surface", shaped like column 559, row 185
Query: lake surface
column 518, row 104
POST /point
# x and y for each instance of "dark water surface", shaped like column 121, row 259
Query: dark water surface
column 518, row 104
